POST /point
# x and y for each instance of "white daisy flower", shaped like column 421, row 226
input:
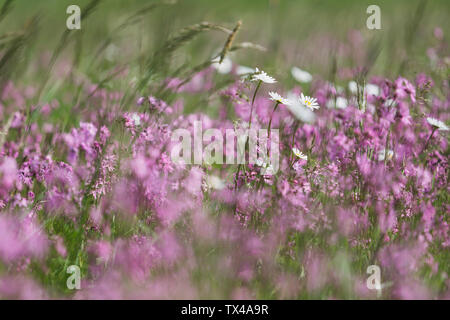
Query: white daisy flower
column 438, row 124
column 269, row 170
column 274, row 96
column 353, row 86
column 242, row 70
column 224, row 67
column 382, row 154
column 340, row 103
column 372, row 89
column 260, row 162
column 299, row 110
column 299, row 154
column 301, row 75
column 262, row 76
column 136, row 119
column 214, row 182
column 309, row 102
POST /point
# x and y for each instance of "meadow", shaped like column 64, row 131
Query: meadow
column 93, row 205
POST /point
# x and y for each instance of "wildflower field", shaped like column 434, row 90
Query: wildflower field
column 349, row 199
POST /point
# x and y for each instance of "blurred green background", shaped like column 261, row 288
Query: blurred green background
column 308, row 34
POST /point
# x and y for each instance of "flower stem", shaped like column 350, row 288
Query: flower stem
column 271, row 116
column 236, row 178
column 297, row 123
column 428, row 141
column 253, row 101
column 386, row 146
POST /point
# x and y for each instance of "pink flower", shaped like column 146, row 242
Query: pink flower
column 21, row 238
column 404, row 88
